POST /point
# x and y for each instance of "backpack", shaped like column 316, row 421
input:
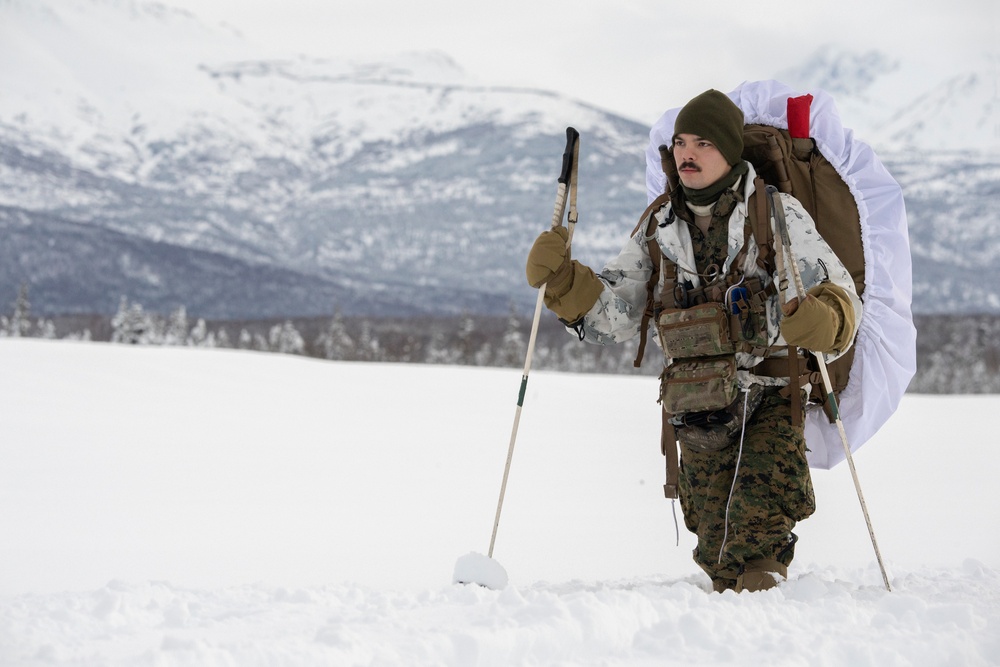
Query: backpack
column 858, row 209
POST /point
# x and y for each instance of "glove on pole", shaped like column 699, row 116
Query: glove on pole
column 786, row 244
column 567, row 181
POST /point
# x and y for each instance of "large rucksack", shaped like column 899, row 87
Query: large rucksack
column 858, row 209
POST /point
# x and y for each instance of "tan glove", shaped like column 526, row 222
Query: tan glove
column 547, row 256
column 571, row 288
column 823, row 322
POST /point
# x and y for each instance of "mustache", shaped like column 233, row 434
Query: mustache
column 689, row 165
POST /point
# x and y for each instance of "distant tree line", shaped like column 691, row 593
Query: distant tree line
column 471, row 340
column 956, row 354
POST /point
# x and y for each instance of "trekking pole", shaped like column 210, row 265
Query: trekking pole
column 779, row 216
column 567, row 180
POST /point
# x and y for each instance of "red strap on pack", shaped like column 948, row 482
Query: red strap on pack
column 798, row 116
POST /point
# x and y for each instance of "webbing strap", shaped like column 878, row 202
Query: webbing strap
column 778, row 367
column 668, row 446
column 793, row 388
column 646, row 220
column 656, row 257
column 796, row 369
column 760, row 222
column 573, row 215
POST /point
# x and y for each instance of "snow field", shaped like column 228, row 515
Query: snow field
column 936, row 618
column 176, row 506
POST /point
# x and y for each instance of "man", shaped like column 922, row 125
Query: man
column 744, row 479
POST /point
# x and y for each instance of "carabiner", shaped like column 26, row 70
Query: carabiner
column 681, row 294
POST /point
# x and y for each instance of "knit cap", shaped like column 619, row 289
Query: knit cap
column 713, row 116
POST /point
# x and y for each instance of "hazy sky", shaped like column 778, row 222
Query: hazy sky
column 636, row 57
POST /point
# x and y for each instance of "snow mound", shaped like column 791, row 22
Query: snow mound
column 475, row 568
column 935, row 617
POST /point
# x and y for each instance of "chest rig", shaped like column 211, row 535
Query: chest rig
column 702, row 329
column 733, row 305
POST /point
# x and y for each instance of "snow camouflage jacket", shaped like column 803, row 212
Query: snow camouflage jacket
column 617, row 315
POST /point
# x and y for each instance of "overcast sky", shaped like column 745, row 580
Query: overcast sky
column 636, row 57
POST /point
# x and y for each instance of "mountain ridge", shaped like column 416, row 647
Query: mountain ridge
column 402, row 185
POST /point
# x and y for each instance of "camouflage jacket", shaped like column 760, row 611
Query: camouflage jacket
column 617, row 314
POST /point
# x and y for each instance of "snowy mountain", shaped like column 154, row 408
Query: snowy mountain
column 927, row 104
column 144, row 153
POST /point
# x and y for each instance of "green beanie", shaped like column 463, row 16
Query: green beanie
column 713, row 116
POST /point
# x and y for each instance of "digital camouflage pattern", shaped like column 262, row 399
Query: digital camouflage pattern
column 710, row 248
column 773, row 490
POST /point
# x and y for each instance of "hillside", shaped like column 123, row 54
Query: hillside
column 146, row 154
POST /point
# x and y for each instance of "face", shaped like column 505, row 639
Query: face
column 699, row 162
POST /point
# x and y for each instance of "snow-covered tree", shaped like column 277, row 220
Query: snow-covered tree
column 19, row 324
column 368, row 347
column 438, row 350
column 259, row 342
column 484, row 355
column 286, row 339
column 131, row 325
column 84, row 335
column 200, row 336
column 46, row 329
column 176, row 331
column 245, row 340
column 335, row 342
column 466, row 348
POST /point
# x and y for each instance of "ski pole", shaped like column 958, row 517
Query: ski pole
column 567, row 180
column 779, row 216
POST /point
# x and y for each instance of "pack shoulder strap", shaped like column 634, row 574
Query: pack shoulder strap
column 647, row 225
column 760, row 225
column 668, row 437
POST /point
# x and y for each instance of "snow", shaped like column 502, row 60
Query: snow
column 477, row 568
column 178, row 506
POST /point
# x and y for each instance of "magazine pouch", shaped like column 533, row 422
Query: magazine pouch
column 698, row 331
column 699, row 385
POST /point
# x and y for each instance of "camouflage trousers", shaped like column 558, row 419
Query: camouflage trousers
column 752, row 518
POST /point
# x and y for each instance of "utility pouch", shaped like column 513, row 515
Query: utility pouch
column 713, row 431
column 747, row 307
column 697, row 385
column 698, row 331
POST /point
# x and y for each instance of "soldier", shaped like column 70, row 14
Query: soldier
column 744, row 480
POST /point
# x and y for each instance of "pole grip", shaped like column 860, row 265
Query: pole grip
column 567, row 164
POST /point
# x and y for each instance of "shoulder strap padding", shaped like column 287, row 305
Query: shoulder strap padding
column 647, row 227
